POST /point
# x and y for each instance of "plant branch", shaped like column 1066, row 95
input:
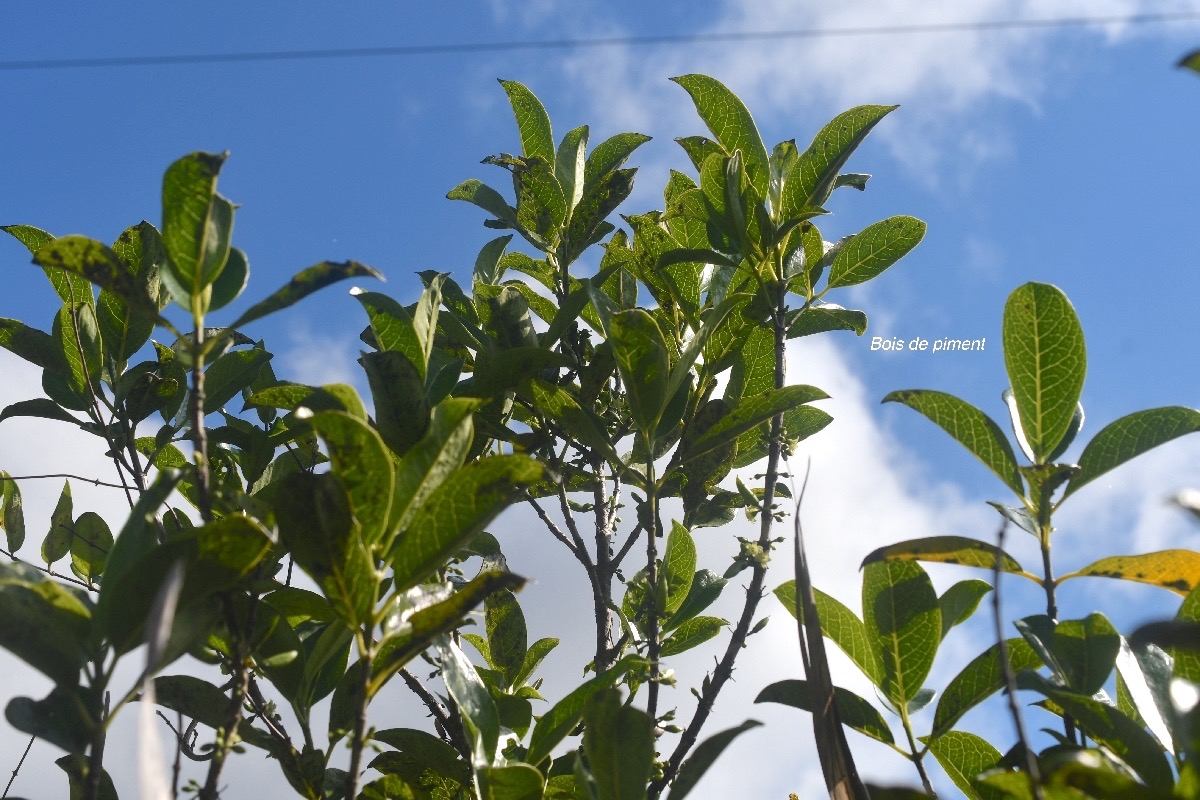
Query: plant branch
column 93, row 481
column 17, row 768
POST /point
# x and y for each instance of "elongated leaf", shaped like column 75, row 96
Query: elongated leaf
column 62, row 522
column 197, row 224
column 1176, row 570
column 903, row 624
column 97, row 263
column 363, row 465
column 303, row 284
column 959, row 602
column 708, row 751
column 827, row 318
column 972, row 428
column 750, row 412
column 480, row 194
column 1146, row 676
column 232, row 372
column 678, row 567
column 979, row 680
column 507, row 634
column 77, row 338
column 199, row 700
column 610, row 154
column 35, row 346
column 1087, row 650
column 1108, row 726
column 435, row 457
column 533, row 123
column 731, row 124
column 12, row 518
column 561, row 408
column 561, row 719
column 813, row 175
column 959, row 550
column 619, row 743
column 643, row 361
column 1129, row 437
column 393, row 327
column 1046, row 362
column 456, row 511
column 693, row 633
column 39, row 407
column 842, row 626
column 474, row 702
column 873, row 250
column 853, row 711
column 964, row 756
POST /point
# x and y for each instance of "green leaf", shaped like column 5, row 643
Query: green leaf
column 731, row 124
column 1129, row 437
column 1087, row 649
column 230, row 284
column 35, row 346
column 39, row 407
column 1190, row 61
column 1176, row 570
column 828, row 317
column 232, row 372
column 569, row 165
column 979, row 680
column 512, row 782
column 949, row 550
column 62, row 521
column 1128, row 740
column 693, row 633
column 750, row 412
column 579, row 424
column 972, row 428
column 480, row 194
column 197, row 224
column 303, row 284
column 434, row 458
column 474, row 702
column 317, row 525
column 363, row 465
column 618, row 741
column 537, row 139
column 456, row 511
column 959, row 602
column 97, row 263
column 533, row 658
column 12, row 514
column 903, row 624
column 1146, row 676
column 852, row 709
column 561, row 719
column 401, row 404
column 63, row 718
column 705, row 588
column 964, row 756
column 393, row 327
column 90, row 545
column 1046, row 362
column 46, row 627
column 77, row 338
column 678, row 568
column 643, row 361
column 812, row 178
column 842, row 626
column 708, row 751
column 199, row 700
column 507, row 634
column 609, row 155
column 874, row 249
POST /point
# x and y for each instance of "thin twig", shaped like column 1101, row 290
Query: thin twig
column 557, row 532
column 627, row 546
column 93, row 481
column 17, row 769
column 50, row 572
column 1010, row 679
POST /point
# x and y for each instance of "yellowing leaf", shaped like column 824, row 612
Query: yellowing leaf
column 1177, row 570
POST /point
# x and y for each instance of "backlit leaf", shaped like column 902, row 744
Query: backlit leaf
column 303, row 284
column 979, row 680
column 533, row 123
column 853, row 710
column 691, row 770
column 903, row 624
column 618, row 740
column 842, row 626
column 1177, row 570
column 959, row 550
column 813, row 175
column 1129, row 437
column 964, row 756
column 874, row 249
column 731, row 124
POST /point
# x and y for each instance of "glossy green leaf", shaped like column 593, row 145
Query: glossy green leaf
column 99, row 264
column 1128, row 740
column 693, row 633
column 507, row 634
column 964, row 756
column 456, row 511
column 480, row 194
column 813, row 176
column 903, row 625
column 618, row 741
column 853, row 711
column 533, row 123
column 474, row 702
column 643, row 361
column 12, row 514
column 609, row 155
column 702, row 758
column 874, row 249
column 316, row 524
column 579, row 424
column 401, row 404
column 842, row 626
column 750, row 412
column 421, row 755
column 1145, row 674
column 828, row 317
column 90, row 545
column 534, row 656
column 303, row 284
column 731, row 124
column 979, row 680
column 678, row 568
column 959, row 550
column 393, row 327
column 230, row 284
column 972, row 428
column 1129, row 437
column 1087, row 649
column 35, row 346
column 554, row 726
column 1176, row 570
column 62, row 522
column 363, row 465
column 960, row 601
column 512, row 782
column 232, row 372
column 433, row 459
column 77, row 339
column 197, row 224
column 1046, row 362
column 704, row 590
column 39, row 407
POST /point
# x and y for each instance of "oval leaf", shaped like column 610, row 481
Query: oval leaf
column 1177, row 570
column 874, row 249
column 1129, row 437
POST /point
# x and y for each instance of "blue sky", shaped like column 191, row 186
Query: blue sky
column 1064, row 155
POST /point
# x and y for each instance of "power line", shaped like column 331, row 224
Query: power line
column 611, row 41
